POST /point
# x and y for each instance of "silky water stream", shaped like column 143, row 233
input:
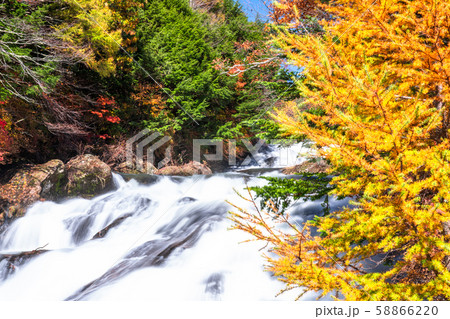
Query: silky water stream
column 164, row 240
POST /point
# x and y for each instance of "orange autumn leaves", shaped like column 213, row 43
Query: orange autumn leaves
column 287, row 11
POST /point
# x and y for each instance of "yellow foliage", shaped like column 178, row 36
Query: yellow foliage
column 92, row 34
column 380, row 76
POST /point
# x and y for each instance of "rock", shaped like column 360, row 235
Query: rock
column 145, row 179
column 129, row 168
column 26, row 186
column 314, row 166
column 102, row 233
column 186, row 200
column 87, row 176
column 192, row 168
column 218, row 166
column 83, row 175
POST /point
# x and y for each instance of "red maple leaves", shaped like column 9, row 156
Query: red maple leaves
column 108, row 105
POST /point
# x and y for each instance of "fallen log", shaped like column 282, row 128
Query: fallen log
column 16, row 259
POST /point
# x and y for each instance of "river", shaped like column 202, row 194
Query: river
column 168, row 239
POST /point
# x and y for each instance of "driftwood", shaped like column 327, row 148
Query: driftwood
column 22, row 254
column 115, row 223
column 19, row 258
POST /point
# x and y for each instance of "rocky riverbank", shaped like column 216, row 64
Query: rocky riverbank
column 88, row 176
column 82, row 176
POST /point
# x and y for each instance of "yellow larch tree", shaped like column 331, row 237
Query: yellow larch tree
column 376, row 103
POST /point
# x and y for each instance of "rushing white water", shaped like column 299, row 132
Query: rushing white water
column 280, row 155
column 168, row 241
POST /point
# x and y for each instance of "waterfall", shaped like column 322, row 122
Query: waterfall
column 167, row 240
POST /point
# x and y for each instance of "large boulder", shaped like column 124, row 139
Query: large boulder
column 84, row 175
column 189, row 169
column 87, row 176
column 26, row 186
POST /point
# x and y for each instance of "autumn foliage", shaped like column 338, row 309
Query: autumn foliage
column 378, row 89
column 82, row 75
column 288, row 11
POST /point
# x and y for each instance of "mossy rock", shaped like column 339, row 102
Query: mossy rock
column 87, row 176
column 84, row 176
